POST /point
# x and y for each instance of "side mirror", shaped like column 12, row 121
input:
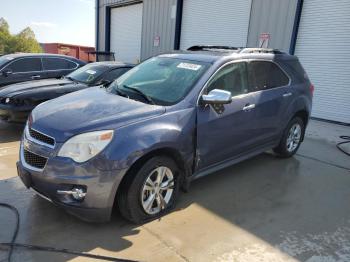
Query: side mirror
column 7, row 72
column 217, row 97
column 104, row 82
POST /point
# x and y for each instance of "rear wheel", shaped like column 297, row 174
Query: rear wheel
column 291, row 138
column 152, row 192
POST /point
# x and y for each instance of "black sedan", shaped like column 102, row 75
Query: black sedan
column 15, row 68
column 18, row 100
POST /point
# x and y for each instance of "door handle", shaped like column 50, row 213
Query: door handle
column 287, row 94
column 35, row 77
column 248, row 107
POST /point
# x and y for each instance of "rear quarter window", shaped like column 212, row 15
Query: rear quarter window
column 297, row 70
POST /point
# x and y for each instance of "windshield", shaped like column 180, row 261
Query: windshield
column 87, row 74
column 160, row 80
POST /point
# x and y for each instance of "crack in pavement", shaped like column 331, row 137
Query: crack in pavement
column 324, row 162
column 173, row 249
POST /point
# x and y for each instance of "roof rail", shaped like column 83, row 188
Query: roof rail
column 214, row 47
column 250, row 50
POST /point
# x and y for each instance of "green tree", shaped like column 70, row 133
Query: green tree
column 23, row 42
column 4, row 35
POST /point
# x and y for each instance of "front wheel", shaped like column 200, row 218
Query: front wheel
column 152, row 192
column 291, row 139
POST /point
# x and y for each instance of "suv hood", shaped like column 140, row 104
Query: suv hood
column 30, row 86
column 89, row 110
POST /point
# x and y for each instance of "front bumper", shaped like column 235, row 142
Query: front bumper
column 63, row 174
column 12, row 113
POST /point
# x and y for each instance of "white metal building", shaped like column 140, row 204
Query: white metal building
column 317, row 31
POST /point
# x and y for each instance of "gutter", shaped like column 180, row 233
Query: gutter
column 296, row 26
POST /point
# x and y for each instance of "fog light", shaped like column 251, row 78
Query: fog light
column 77, row 193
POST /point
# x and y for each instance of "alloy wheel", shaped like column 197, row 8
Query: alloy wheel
column 293, row 138
column 157, row 190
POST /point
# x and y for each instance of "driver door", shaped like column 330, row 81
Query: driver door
column 225, row 134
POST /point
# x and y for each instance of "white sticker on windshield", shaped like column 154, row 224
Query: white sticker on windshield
column 189, row 66
column 9, row 58
column 90, row 72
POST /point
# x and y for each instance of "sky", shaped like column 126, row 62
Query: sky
column 63, row 21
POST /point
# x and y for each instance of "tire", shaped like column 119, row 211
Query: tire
column 285, row 148
column 133, row 198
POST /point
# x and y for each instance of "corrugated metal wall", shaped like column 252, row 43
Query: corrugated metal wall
column 322, row 47
column 102, row 19
column 158, row 23
column 275, row 17
column 267, row 16
column 212, row 22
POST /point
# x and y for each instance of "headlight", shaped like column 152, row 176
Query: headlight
column 13, row 101
column 85, row 146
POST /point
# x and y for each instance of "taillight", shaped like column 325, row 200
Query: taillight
column 312, row 89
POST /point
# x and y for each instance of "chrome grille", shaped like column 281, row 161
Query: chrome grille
column 41, row 137
column 34, row 160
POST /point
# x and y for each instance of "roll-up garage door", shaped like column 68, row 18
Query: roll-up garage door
column 323, row 49
column 212, row 22
column 126, row 28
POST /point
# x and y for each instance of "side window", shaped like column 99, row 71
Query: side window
column 114, row 74
column 266, row 75
column 25, row 65
column 58, row 64
column 232, row 78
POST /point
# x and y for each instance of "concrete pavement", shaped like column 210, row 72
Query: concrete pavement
column 263, row 209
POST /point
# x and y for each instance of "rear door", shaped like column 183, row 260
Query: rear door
column 224, row 135
column 271, row 86
column 56, row 67
column 23, row 69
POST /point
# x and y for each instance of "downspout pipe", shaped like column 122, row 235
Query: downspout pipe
column 296, row 26
column 178, row 21
column 97, row 3
column 108, row 29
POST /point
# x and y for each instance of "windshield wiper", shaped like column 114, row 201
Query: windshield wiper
column 148, row 99
column 118, row 91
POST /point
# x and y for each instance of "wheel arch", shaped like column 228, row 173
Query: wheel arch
column 304, row 115
column 172, row 153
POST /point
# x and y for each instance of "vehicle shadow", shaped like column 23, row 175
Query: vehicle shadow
column 10, row 132
column 264, row 196
column 44, row 224
column 233, row 194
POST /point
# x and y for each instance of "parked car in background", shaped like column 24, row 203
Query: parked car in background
column 169, row 120
column 18, row 100
column 22, row 67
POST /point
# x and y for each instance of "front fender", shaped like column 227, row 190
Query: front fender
column 173, row 130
